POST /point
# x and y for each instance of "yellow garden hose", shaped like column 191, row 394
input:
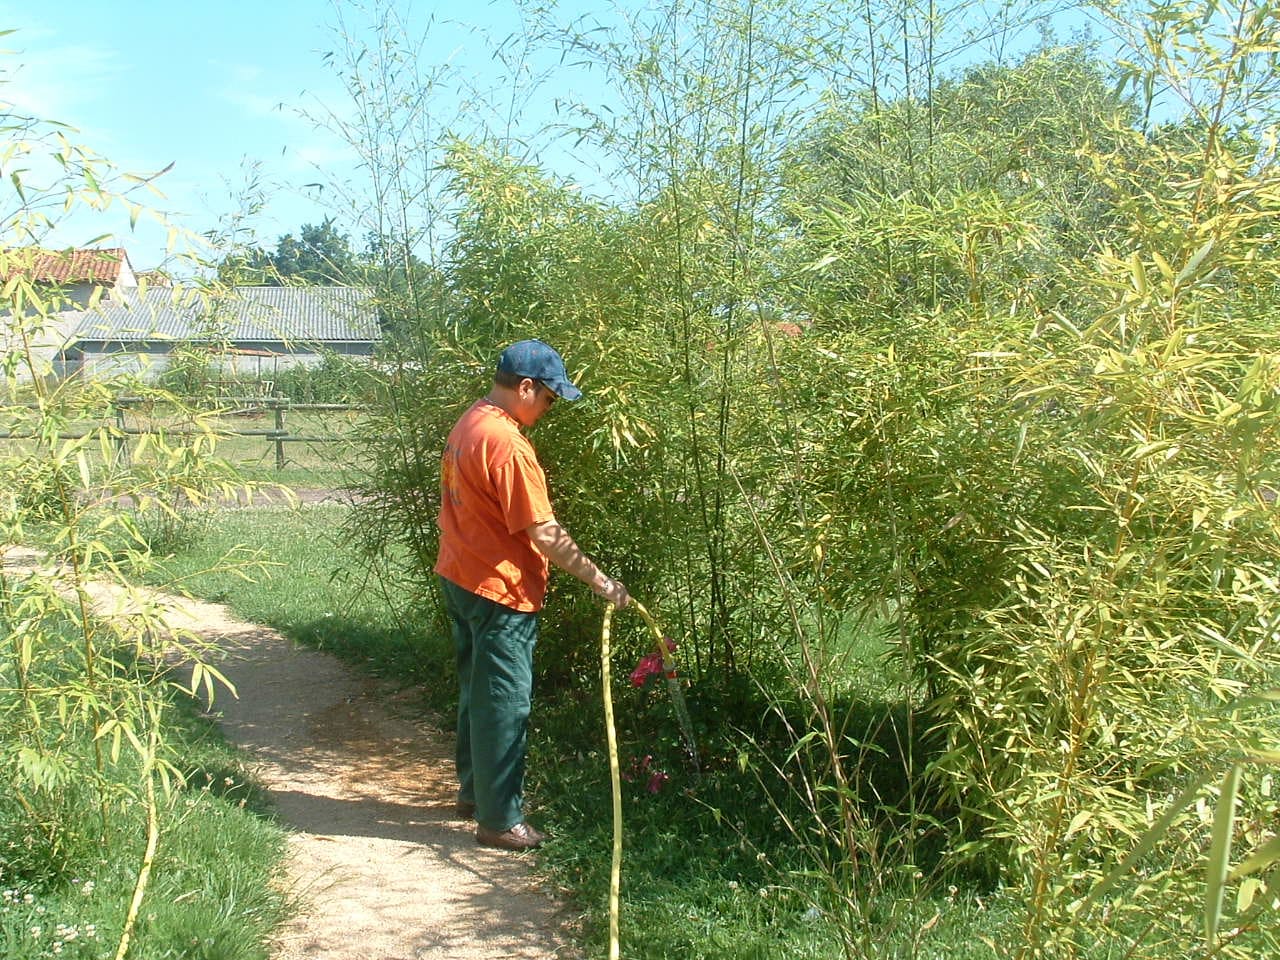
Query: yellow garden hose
column 668, row 662
column 615, row 775
column 615, row 781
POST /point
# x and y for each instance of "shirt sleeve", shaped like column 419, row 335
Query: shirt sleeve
column 521, row 489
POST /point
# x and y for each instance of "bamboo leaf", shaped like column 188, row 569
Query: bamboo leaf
column 1249, row 890
column 1146, row 844
column 1078, row 821
column 1139, row 273
column 1263, row 857
column 1152, row 448
column 1220, row 853
column 1193, row 265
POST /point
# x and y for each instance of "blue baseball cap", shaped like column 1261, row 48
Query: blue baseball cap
column 538, row 361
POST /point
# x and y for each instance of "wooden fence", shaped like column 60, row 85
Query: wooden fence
column 277, row 435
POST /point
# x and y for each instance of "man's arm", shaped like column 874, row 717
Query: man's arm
column 554, row 542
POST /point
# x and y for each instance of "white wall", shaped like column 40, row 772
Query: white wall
column 148, row 362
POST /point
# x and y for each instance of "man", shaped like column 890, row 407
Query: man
column 497, row 534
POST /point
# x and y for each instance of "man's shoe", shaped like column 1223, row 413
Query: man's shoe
column 465, row 809
column 520, row 837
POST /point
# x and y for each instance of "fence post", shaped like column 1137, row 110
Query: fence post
column 122, row 438
column 278, row 403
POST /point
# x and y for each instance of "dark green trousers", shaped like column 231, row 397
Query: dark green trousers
column 493, row 646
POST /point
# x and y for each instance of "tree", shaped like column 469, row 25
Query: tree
column 318, row 255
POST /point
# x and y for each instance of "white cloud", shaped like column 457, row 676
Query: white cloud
column 58, row 82
column 242, row 86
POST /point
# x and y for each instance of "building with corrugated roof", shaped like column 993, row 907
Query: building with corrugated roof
column 247, row 331
column 59, row 286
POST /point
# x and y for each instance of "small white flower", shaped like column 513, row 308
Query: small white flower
column 733, row 884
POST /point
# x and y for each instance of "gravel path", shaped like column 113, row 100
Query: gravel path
column 383, row 868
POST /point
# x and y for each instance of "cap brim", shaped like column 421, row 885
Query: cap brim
column 565, row 390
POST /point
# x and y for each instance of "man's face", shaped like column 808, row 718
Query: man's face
column 534, row 400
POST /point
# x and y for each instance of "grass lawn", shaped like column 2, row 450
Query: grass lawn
column 709, row 869
column 69, row 859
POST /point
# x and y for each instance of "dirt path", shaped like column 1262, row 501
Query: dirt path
column 384, row 869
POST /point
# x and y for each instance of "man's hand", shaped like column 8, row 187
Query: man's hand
column 613, row 591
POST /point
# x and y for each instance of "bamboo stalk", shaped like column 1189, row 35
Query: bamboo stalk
column 149, row 855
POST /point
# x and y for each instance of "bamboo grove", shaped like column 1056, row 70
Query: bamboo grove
column 888, row 329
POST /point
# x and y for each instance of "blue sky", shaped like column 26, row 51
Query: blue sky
column 197, row 85
column 214, row 88
column 210, row 87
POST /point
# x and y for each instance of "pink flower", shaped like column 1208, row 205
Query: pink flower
column 638, row 767
column 650, row 665
column 656, row 781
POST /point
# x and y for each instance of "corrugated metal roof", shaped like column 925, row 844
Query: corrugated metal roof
column 67, row 266
column 301, row 314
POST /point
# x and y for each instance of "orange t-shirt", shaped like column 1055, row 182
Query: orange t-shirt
column 491, row 489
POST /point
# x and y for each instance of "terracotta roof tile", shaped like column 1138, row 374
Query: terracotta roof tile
column 69, row 266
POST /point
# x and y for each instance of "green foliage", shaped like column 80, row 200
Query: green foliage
column 975, row 356
column 38, row 487
column 189, row 372
column 319, row 255
column 336, row 379
column 1080, row 536
column 91, row 750
column 65, row 878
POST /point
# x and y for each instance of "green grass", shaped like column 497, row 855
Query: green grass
column 303, row 580
column 66, row 877
column 709, row 871
column 316, row 462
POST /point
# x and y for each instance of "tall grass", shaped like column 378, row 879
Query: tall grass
column 66, row 881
